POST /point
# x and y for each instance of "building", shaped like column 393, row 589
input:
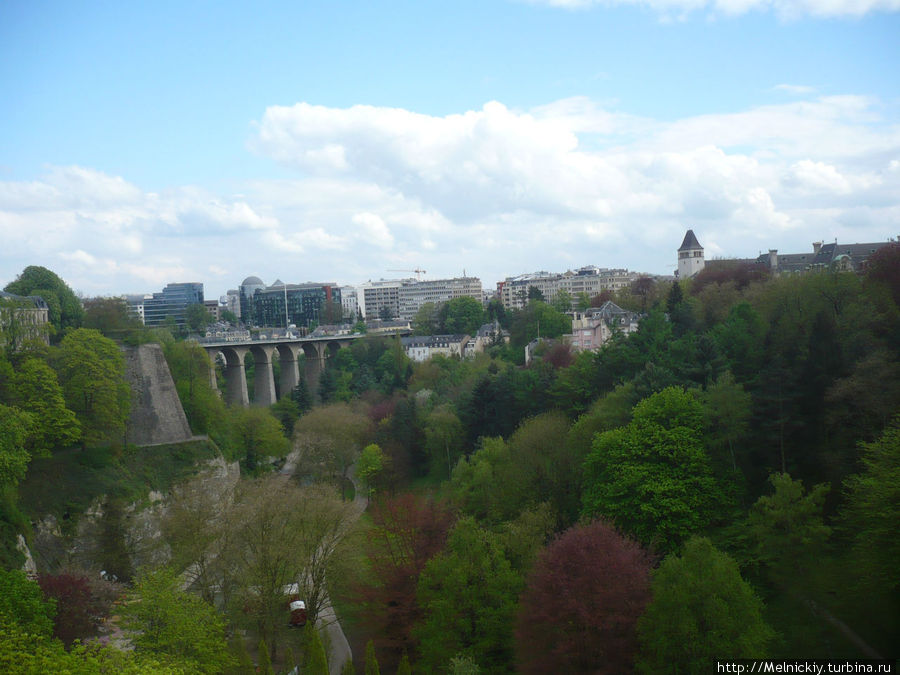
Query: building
column 282, row 304
column 690, row 256
column 135, row 303
column 413, row 294
column 23, row 318
column 212, row 306
column 589, row 280
column 489, row 334
column 349, row 303
column 380, row 299
column 594, row 327
column 171, row 303
column 231, row 302
column 423, row 347
column 834, row 256
column 246, row 291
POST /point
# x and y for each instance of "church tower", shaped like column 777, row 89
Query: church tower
column 690, row 256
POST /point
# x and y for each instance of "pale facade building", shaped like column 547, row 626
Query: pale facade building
column 412, row 296
column 349, row 302
column 590, row 280
column 593, row 328
column 422, row 347
column 372, row 296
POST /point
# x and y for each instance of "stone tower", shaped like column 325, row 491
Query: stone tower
column 690, row 256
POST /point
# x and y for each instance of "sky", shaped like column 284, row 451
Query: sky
column 147, row 143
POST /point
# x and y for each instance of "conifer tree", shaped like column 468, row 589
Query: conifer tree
column 371, row 661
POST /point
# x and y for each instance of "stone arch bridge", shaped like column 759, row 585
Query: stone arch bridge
column 316, row 351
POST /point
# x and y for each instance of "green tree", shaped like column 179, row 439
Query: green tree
column 264, row 665
column 873, row 510
column 316, row 661
column 562, row 301
column 197, row 317
column 463, row 315
column 404, row 668
column 91, row 370
column 425, row 321
column 370, row 464
column 727, row 409
column 329, row 439
column 169, row 621
column 653, row 477
column 538, row 319
column 371, row 661
column 788, row 529
column 37, row 391
column 257, row 435
column 23, row 605
column 702, row 610
column 15, row 426
column 469, row 596
column 444, row 438
column 110, row 316
column 535, row 293
column 65, row 308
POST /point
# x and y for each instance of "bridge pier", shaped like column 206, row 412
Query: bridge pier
column 263, row 378
column 290, row 371
column 236, row 376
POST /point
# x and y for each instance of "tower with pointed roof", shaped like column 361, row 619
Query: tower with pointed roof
column 690, row 256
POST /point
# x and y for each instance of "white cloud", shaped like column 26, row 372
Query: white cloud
column 496, row 191
column 795, row 89
column 784, row 8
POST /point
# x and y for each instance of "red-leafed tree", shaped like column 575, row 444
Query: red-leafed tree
column 81, row 603
column 408, row 531
column 579, row 611
column 884, row 267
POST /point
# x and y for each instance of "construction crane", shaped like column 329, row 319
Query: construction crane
column 417, row 271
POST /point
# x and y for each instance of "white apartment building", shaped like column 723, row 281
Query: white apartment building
column 373, row 295
column 422, row 347
column 590, row 280
column 414, row 294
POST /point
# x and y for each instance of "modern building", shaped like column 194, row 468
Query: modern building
column 423, row 347
column 246, row 291
column 349, row 303
column 231, row 301
column 690, row 256
column 172, row 303
column 412, row 295
column 380, row 299
column 589, row 280
column 592, row 328
column 135, row 303
column 283, row 304
column 23, row 318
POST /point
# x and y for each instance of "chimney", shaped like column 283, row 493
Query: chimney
column 773, row 258
column 816, row 246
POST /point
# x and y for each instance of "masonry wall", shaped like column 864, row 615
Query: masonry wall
column 156, row 412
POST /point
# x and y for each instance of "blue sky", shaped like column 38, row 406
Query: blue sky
column 142, row 143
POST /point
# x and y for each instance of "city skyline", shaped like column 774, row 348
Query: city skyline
column 187, row 142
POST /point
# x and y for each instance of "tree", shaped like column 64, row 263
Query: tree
column 787, row 527
column 110, row 316
column 644, row 287
column 407, row 531
column 37, row 391
column 279, row 535
column 463, row 315
column 300, row 395
column 727, row 414
column 702, row 610
column 581, row 604
column 23, row 605
column 371, row 661
column 652, row 478
column 385, row 313
column 82, row 604
column 444, row 438
column 425, row 321
column 14, row 456
column 468, row 594
column 257, row 434
column 883, row 267
column 286, row 411
column 229, row 317
column 91, row 371
column 329, row 439
column 197, row 317
column 370, row 464
column 873, row 510
column 65, row 308
column 535, row 293
column 171, row 622
column 562, row 301
column 316, row 659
